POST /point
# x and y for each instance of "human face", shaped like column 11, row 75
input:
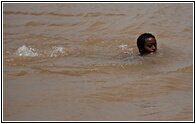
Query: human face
column 150, row 45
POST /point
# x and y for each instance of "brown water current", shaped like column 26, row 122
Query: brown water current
column 80, row 62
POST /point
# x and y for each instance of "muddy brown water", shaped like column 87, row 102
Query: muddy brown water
column 80, row 62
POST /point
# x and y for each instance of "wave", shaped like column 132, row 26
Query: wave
column 91, row 14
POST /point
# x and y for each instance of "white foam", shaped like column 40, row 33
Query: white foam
column 56, row 50
column 26, row 51
column 125, row 47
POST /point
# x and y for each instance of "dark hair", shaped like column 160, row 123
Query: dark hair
column 141, row 40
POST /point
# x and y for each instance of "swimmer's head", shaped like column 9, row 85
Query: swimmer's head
column 146, row 43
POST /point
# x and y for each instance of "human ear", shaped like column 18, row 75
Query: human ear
column 140, row 50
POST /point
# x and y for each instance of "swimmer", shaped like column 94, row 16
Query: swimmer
column 146, row 43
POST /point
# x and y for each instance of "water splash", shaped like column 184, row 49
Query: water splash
column 57, row 50
column 124, row 47
column 26, row 51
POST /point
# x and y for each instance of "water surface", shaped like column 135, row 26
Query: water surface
column 80, row 62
